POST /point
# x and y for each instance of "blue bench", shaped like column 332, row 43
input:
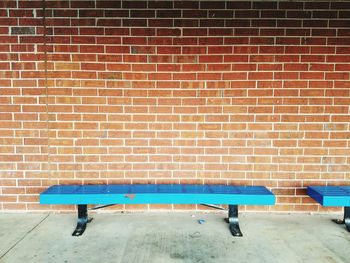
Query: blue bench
column 106, row 195
column 333, row 196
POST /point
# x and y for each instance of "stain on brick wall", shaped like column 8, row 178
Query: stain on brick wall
column 22, row 30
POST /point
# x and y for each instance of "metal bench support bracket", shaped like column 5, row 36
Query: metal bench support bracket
column 82, row 220
column 233, row 220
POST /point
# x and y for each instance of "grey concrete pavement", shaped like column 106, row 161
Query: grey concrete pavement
column 172, row 237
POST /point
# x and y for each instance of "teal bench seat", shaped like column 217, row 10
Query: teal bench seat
column 83, row 195
column 333, row 196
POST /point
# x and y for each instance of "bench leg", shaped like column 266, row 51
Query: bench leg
column 346, row 219
column 82, row 220
column 233, row 221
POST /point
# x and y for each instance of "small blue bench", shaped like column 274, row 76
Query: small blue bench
column 106, row 195
column 333, row 196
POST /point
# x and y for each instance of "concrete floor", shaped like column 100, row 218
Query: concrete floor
column 172, row 237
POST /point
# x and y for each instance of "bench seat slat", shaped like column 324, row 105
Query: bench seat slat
column 157, row 194
column 330, row 195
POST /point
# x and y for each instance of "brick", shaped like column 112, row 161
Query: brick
column 323, row 32
column 288, row 41
column 314, row 41
column 316, row 23
column 269, row 49
column 340, row 41
column 287, row 23
column 334, row 76
column 22, row 30
column 90, row 13
column 260, row 75
column 312, row 75
column 186, row 23
column 339, row 23
column 117, row 31
column 314, row 58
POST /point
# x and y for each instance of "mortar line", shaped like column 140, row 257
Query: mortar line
column 23, row 237
column 47, row 97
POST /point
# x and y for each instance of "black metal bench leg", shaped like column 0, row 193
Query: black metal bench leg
column 82, row 220
column 233, row 221
column 346, row 219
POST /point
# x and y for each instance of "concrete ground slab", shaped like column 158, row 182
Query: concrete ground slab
column 14, row 227
column 175, row 237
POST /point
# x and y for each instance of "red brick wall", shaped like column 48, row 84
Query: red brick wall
column 227, row 92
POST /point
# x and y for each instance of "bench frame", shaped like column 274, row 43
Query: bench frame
column 84, row 219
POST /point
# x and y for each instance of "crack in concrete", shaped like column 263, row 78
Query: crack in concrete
column 23, row 237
